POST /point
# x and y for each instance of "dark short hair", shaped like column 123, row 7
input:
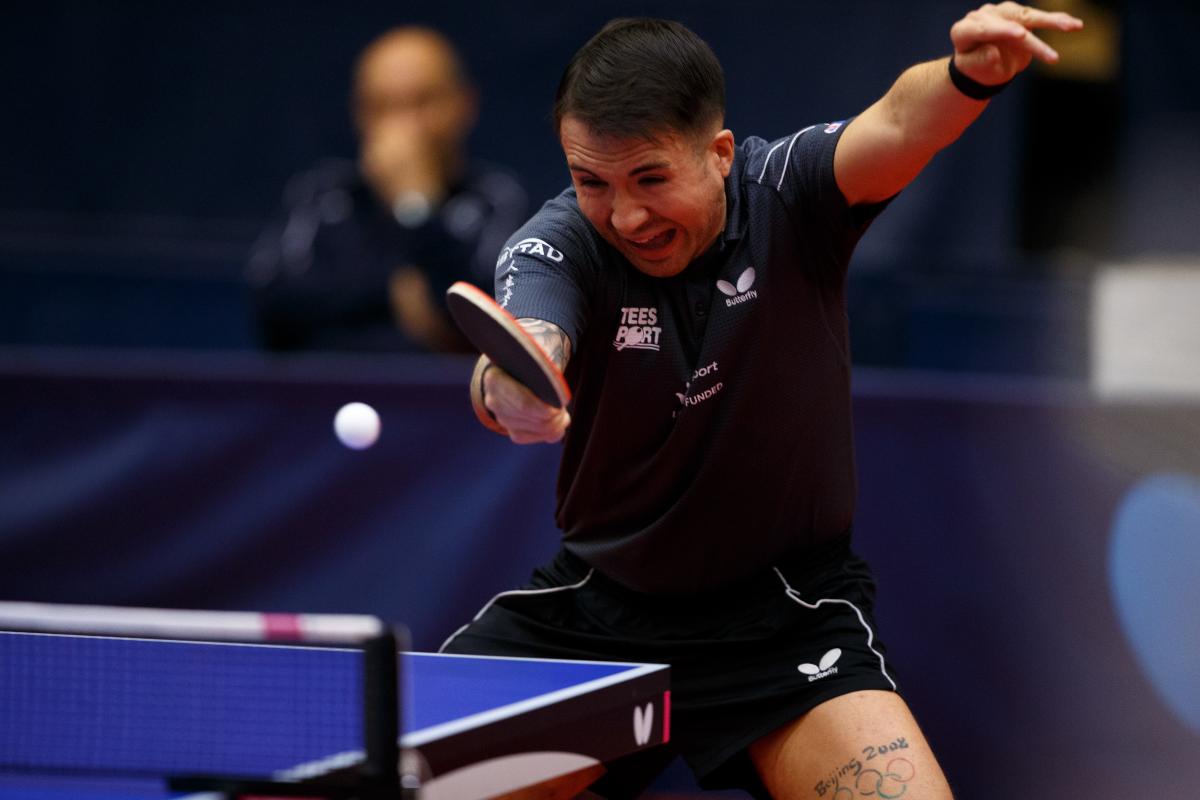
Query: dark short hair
column 639, row 77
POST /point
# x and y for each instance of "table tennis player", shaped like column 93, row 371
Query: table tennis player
column 692, row 288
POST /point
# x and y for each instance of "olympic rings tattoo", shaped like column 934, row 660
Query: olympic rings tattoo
column 890, row 784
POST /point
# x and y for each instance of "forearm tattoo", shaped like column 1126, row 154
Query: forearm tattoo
column 552, row 339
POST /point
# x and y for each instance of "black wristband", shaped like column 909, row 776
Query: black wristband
column 973, row 88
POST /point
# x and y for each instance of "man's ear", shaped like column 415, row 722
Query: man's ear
column 721, row 147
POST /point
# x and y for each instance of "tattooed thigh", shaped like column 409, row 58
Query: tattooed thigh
column 877, row 771
column 863, row 744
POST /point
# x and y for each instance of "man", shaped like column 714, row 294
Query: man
column 368, row 249
column 692, row 288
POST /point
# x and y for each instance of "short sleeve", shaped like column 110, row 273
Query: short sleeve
column 547, row 269
column 800, row 168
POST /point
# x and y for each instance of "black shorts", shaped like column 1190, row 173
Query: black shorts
column 745, row 659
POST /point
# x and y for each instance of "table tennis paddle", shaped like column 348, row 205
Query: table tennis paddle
column 497, row 334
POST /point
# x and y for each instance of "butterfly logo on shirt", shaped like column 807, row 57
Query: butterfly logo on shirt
column 741, row 292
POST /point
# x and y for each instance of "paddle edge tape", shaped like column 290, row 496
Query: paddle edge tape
column 475, row 296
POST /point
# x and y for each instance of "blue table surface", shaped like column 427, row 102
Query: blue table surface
column 439, row 689
column 257, row 693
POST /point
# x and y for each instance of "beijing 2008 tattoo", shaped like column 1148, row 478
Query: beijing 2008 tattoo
column 552, row 339
column 887, row 778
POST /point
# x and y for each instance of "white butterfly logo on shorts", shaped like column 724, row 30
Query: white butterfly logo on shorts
column 824, row 668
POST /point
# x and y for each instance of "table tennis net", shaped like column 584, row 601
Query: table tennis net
column 89, row 701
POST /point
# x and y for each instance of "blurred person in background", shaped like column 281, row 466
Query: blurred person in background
column 365, row 251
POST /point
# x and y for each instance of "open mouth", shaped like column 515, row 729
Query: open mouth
column 650, row 244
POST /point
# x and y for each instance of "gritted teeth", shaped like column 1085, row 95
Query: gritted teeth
column 654, row 242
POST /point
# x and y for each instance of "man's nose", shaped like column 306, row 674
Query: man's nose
column 628, row 215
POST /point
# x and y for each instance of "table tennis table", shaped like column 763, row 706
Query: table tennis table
column 114, row 717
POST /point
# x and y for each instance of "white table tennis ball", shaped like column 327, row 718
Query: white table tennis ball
column 356, row 425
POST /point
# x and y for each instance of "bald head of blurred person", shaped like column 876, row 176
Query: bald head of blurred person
column 413, row 108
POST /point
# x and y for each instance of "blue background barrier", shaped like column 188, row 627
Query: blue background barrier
column 1026, row 573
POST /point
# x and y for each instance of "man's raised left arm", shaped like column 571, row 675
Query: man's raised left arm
column 926, row 109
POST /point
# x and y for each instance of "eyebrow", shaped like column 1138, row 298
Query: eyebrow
column 635, row 171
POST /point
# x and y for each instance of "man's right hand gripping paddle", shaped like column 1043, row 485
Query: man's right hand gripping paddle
column 497, row 335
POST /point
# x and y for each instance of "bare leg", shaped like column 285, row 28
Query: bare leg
column 863, row 744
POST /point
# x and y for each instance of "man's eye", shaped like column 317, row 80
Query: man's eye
column 591, row 183
column 652, row 179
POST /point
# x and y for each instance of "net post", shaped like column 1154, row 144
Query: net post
column 381, row 712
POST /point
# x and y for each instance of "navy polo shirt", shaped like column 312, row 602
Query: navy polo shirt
column 711, row 424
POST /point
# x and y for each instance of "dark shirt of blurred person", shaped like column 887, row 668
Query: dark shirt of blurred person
column 365, row 250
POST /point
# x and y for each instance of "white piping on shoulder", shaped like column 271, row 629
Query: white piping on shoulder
column 794, row 595
column 771, row 152
column 788, row 157
column 767, row 161
column 514, row 593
